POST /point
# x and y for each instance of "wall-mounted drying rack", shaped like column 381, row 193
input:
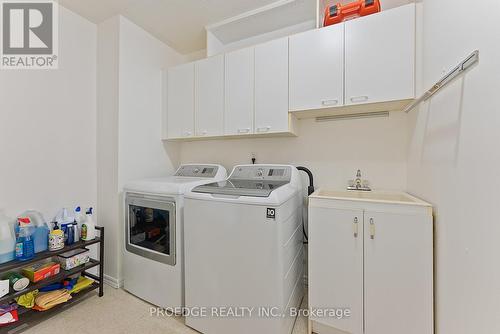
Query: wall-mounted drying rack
column 459, row 69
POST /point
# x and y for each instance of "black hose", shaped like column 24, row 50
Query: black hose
column 310, row 190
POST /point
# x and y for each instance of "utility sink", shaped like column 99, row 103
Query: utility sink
column 370, row 196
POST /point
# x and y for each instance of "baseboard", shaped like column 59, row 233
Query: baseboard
column 113, row 282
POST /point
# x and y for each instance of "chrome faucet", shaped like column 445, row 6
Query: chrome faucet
column 358, row 183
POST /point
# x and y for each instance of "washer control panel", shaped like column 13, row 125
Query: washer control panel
column 262, row 172
column 197, row 171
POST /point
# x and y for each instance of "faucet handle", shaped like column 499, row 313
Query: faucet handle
column 358, row 174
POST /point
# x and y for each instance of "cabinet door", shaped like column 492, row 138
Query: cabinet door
column 180, row 101
column 380, row 57
column 317, row 68
column 336, row 265
column 271, row 86
column 209, row 109
column 398, row 274
column 239, row 83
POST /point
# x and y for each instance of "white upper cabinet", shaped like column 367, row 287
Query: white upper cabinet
column 209, row 92
column 317, row 68
column 360, row 66
column 380, row 57
column 271, row 87
column 239, row 92
column 180, row 101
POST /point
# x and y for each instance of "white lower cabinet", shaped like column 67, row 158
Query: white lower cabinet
column 398, row 273
column 338, row 282
column 376, row 260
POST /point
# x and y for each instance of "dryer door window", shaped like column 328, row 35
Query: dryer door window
column 151, row 228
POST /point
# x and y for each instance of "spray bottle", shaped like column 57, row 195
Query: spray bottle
column 88, row 227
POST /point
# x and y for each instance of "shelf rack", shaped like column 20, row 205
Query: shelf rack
column 29, row 318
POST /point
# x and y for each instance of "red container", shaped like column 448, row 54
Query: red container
column 40, row 271
column 340, row 13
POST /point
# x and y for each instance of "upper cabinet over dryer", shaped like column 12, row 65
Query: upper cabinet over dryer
column 240, row 93
column 180, row 101
column 209, row 96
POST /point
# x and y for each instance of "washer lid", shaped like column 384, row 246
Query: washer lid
column 241, row 188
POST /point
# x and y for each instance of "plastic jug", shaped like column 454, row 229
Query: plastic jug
column 25, row 246
column 79, row 219
column 7, row 239
column 41, row 230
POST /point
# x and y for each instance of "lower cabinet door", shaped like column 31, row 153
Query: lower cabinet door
column 398, row 273
column 336, row 267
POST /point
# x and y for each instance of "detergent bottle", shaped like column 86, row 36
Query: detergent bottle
column 79, row 219
column 7, row 239
column 25, row 247
column 41, row 230
column 88, row 227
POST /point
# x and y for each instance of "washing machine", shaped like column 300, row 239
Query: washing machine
column 153, row 260
column 244, row 251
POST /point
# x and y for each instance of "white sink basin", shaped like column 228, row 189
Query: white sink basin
column 370, row 196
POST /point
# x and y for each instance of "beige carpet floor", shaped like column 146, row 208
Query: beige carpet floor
column 119, row 312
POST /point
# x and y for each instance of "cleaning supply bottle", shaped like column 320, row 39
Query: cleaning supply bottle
column 88, row 227
column 7, row 239
column 40, row 230
column 79, row 219
column 25, row 247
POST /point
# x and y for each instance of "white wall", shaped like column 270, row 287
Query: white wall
column 107, row 141
column 142, row 58
column 454, row 162
column 332, row 150
column 48, row 127
column 215, row 46
column 130, row 112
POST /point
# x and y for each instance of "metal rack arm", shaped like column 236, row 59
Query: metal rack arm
column 459, row 69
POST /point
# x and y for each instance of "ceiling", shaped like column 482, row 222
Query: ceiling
column 179, row 23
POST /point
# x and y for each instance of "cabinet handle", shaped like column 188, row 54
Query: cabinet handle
column 362, row 98
column 333, row 102
column 355, row 225
column 246, row 130
column 203, row 133
column 187, row 134
column 372, row 229
column 264, row 129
